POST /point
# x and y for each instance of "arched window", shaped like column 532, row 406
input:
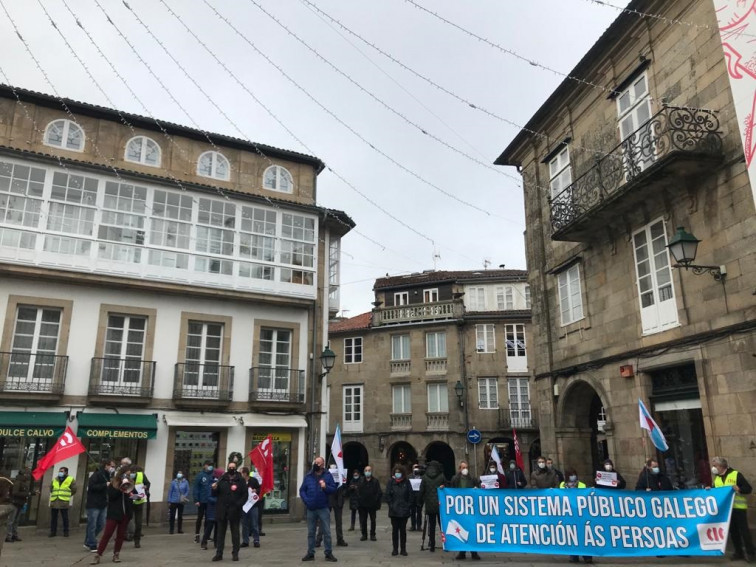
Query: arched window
column 215, row 165
column 277, row 178
column 142, row 149
column 64, row 134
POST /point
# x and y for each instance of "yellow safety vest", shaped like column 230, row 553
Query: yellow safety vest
column 137, row 481
column 61, row 490
column 731, row 480
column 564, row 485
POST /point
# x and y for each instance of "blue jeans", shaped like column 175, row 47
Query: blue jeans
column 250, row 525
column 324, row 516
column 95, row 523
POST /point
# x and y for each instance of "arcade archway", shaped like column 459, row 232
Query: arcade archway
column 441, row 452
column 582, row 441
column 355, row 456
column 402, row 453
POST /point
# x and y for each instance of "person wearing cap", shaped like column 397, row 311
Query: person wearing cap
column 515, row 477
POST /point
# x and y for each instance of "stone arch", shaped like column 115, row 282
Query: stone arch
column 402, row 453
column 441, row 452
column 355, row 456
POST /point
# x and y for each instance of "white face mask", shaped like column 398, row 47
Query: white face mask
column 541, row 465
column 607, row 467
column 492, row 469
column 715, row 471
column 465, row 472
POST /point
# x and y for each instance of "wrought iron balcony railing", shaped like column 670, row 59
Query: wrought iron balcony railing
column 128, row 377
column 33, row 372
column 282, row 385
column 209, row 382
column 671, row 131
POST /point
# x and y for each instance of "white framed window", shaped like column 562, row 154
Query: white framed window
column 204, row 346
column 430, row 295
column 401, row 395
column 353, row 350
column 334, row 269
column 401, row 298
column 214, row 165
column 633, row 111
column 34, row 347
column 476, row 298
column 519, row 402
column 528, row 304
column 485, row 338
column 570, row 295
column 654, row 278
column 400, row 347
column 144, row 150
column 352, row 409
column 64, row 134
column 488, row 393
column 438, row 397
column 277, row 178
column 517, row 358
column 124, row 346
column 435, row 344
column 509, row 298
column 274, row 372
column 560, row 172
column 122, row 225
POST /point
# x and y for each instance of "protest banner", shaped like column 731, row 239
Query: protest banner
column 606, row 478
column 489, row 481
column 415, row 483
column 595, row 522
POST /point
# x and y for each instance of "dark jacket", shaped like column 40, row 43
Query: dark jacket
column 313, row 496
column 119, row 504
column 621, row 483
column 559, row 475
column 432, row 480
column 516, row 478
column 648, row 480
column 97, row 489
column 22, row 489
column 398, row 496
column 464, row 481
column 353, row 496
column 543, row 478
column 231, row 491
column 336, row 499
column 202, row 483
column 369, row 493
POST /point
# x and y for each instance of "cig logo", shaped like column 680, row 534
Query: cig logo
column 713, row 537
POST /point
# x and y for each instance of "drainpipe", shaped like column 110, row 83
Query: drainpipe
column 463, row 379
column 313, row 382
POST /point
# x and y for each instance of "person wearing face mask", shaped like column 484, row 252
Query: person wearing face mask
column 494, row 469
column 463, row 479
column 398, row 497
column 651, row 478
column 231, row 492
column 142, row 489
column 369, row 495
column 416, row 505
column 433, row 479
column 609, row 467
column 572, row 481
column 316, row 487
column 178, row 495
column 724, row 475
column 354, row 501
column 542, row 477
column 61, row 490
column 557, row 472
column 515, row 477
column 201, row 493
column 211, row 529
column 336, row 505
column 97, row 502
column 120, row 509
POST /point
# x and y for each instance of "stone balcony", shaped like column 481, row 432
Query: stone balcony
column 401, row 422
column 435, row 366
column 421, row 312
column 400, row 367
column 437, row 421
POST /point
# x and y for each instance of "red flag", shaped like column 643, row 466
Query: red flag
column 518, row 453
column 262, row 457
column 67, row 446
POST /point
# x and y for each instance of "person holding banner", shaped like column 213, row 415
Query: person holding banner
column 398, row 496
column 463, row 480
column 651, row 478
column 249, row 523
column 494, row 472
column 515, row 476
column 542, row 477
column 433, row 479
column 724, row 475
column 609, row 477
column 557, row 472
column 573, row 482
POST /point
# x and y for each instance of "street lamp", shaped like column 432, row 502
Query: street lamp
column 459, row 389
column 683, row 247
column 327, row 359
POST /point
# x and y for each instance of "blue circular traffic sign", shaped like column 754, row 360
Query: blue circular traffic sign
column 474, row 436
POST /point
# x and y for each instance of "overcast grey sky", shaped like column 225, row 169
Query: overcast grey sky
column 409, row 174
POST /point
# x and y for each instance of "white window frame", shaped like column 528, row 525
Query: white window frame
column 520, row 410
column 401, row 399
column 570, row 295
column 485, row 338
column 435, row 344
column 430, row 295
column 281, row 179
column 124, row 368
column 66, row 128
column 353, row 350
column 275, row 355
column 488, row 393
column 146, row 141
column 560, row 172
column 33, row 363
column 438, row 397
column 477, row 298
column 216, row 158
column 352, row 405
column 633, row 110
column 400, row 347
column 653, row 278
column 401, row 298
column 517, row 353
column 528, row 298
column 204, row 374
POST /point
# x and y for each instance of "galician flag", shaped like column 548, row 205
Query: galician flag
column 338, row 454
column 67, row 446
column 497, row 459
column 647, row 422
column 455, row 529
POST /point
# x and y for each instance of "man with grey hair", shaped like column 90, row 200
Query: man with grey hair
column 724, row 475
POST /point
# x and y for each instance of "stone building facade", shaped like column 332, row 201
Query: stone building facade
column 645, row 141
column 441, row 353
column 165, row 293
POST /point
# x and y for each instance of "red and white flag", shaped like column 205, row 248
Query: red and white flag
column 338, row 454
column 67, row 446
column 262, row 457
column 518, row 453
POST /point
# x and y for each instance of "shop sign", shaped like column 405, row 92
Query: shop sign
column 31, row 431
column 277, row 437
column 99, row 432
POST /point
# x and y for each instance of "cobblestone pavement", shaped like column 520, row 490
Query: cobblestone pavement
column 283, row 544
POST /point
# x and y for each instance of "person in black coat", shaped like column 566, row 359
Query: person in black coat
column 120, row 511
column 515, row 477
column 398, row 496
column 97, row 502
column 651, row 478
column 609, row 467
column 354, row 501
column 231, row 491
column 369, row 495
column 416, row 509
